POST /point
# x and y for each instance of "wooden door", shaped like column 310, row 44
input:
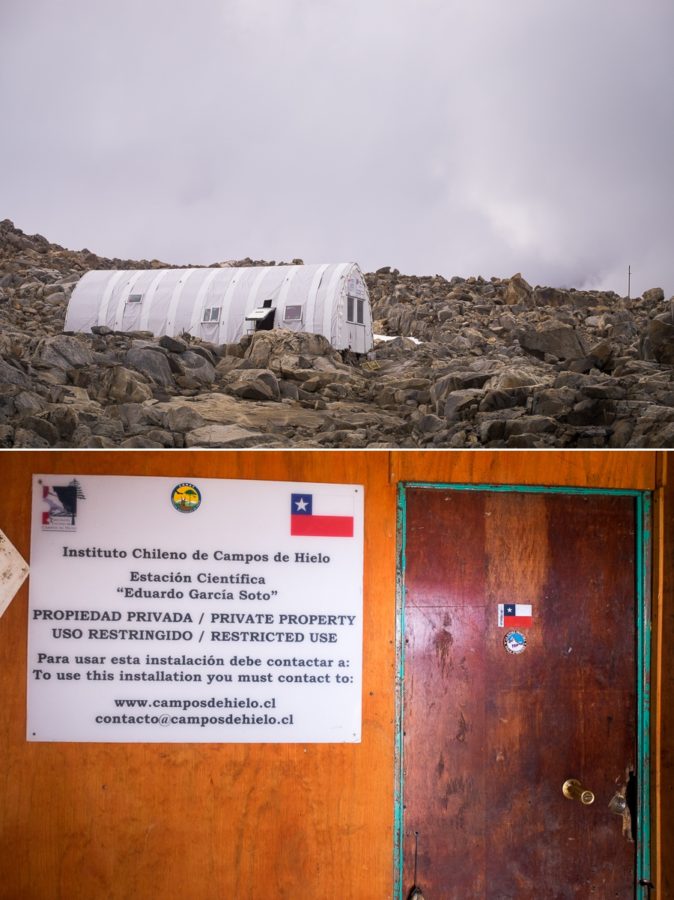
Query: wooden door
column 490, row 735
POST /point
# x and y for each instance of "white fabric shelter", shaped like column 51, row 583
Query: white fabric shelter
column 222, row 305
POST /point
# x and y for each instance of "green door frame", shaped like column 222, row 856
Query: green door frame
column 643, row 500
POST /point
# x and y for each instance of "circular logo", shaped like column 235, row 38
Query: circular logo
column 186, row 497
column 515, row 642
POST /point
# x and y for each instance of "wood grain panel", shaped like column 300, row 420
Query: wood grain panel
column 606, row 469
column 201, row 821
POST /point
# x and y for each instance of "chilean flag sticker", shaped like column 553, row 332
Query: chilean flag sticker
column 317, row 515
column 512, row 615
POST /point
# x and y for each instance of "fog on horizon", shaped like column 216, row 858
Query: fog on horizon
column 464, row 137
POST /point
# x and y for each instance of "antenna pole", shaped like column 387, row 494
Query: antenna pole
column 629, row 281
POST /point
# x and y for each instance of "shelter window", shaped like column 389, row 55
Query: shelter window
column 211, row 314
column 293, row 313
column 355, row 310
column 135, row 298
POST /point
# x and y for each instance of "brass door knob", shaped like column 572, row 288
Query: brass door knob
column 573, row 790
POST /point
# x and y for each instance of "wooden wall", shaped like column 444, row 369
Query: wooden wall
column 200, row 821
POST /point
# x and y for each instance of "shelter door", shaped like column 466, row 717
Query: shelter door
column 356, row 340
column 494, row 726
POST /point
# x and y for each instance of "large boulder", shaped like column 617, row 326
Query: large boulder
column 152, row 363
column 267, row 349
column 183, row 419
column 256, row 384
column 659, row 344
column 10, row 374
column 518, row 291
column 231, row 435
column 552, row 338
column 122, row 385
column 654, row 295
column 198, row 368
column 63, row 351
column 548, row 296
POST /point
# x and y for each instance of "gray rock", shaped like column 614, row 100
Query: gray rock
column 173, row 344
column 492, row 430
column 41, row 427
column 63, row 351
column 545, row 296
column 554, row 339
column 518, row 291
column 459, row 404
column 654, row 295
column 429, row 424
column 24, row 437
column 65, row 420
column 99, row 442
column 591, row 412
column 207, row 351
column 198, row 367
column 183, row 419
column 455, row 381
column 109, row 428
column 531, row 425
column 524, row 441
column 267, row 348
column 160, row 436
column 289, row 390
column 660, row 337
column 227, row 436
column 505, row 399
column 554, row 402
column 121, row 385
column 152, row 363
column 256, row 384
column 10, row 374
column 136, row 417
column 29, row 403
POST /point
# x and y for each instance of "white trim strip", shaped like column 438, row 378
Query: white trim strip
column 197, row 309
column 313, row 294
column 226, row 311
column 340, row 271
column 107, row 294
column 149, row 297
column 124, row 296
column 283, row 295
column 175, row 300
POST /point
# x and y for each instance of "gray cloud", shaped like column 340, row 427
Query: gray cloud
column 460, row 137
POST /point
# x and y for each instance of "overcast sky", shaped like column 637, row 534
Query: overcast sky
column 464, row 137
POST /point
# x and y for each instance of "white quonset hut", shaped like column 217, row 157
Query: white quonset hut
column 222, row 305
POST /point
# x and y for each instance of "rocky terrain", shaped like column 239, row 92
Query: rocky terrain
column 474, row 363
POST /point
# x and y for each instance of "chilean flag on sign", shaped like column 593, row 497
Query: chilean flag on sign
column 512, row 614
column 327, row 521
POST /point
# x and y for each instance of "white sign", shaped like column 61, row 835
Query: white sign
column 195, row 610
column 13, row 570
